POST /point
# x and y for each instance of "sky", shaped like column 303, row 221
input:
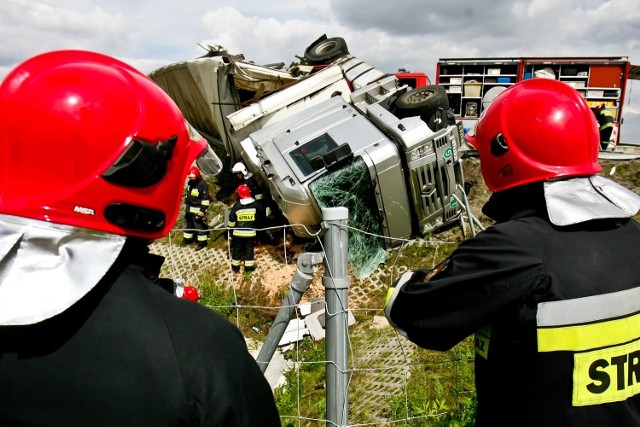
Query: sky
column 410, row 34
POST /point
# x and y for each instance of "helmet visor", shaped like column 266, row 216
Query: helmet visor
column 208, row 161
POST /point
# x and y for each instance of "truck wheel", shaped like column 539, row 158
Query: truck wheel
column 422, row 101
column 324, row 51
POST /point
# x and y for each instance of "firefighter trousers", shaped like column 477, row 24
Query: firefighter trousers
column 195, row 229
column 242, row 246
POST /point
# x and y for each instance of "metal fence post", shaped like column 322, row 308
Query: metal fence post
column 299, row 283
column 335, row 280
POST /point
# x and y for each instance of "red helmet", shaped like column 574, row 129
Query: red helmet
column 536, row 130
column 105, row 148
column 195, row 172
column 190, row 293
column 243, row 191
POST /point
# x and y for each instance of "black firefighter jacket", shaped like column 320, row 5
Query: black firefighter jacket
column 245, row 218
column 131, row 354
column 197, row 198
column 555, row 312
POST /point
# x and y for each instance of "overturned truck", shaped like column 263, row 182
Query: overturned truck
column 335, row 131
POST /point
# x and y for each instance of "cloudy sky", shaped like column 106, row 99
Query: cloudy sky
column 411, row 34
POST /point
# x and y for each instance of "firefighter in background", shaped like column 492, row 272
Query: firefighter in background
column 243, row 176
column 245, row 218
column 549, row 290
column 606, row 123
column 89, row 334
column 197, row 202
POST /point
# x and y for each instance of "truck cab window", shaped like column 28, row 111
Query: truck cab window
column 316, row 148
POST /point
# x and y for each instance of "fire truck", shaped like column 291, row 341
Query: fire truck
column 472, row 83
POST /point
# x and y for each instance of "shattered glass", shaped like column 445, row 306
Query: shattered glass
column 351, row 187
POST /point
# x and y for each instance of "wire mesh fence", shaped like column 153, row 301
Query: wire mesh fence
column 390, row 380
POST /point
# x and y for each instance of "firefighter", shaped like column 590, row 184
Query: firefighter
column 245, row 218
column 243, row 176
column 549, row 290
column 267, row 204
column 197, row 202
column 88, row 333
column 606, row 123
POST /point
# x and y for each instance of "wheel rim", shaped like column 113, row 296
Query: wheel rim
column 420, row 96
column 325, row 47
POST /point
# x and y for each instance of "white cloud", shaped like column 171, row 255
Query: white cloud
column 405, row 33
column 263, row 40
column 29, row 27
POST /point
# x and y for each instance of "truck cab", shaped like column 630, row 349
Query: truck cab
column 412, row 174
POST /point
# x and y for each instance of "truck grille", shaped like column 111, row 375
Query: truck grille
column 435, row 179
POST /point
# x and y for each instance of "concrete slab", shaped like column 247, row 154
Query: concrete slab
column 276, row 369
column 295, row 331
column 315, row 323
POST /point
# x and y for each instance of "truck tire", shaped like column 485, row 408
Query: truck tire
column 422, row 101
column 324, row 51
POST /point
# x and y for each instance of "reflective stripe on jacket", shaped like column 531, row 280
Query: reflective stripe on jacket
column 245, row 219
column 605, row 119
column 197, row 198
column 555, row 312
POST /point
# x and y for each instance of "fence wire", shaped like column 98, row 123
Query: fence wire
column 391, row 381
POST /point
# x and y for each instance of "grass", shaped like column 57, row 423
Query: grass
column 439, row 387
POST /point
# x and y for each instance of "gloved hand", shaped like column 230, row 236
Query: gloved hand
column 392, row 293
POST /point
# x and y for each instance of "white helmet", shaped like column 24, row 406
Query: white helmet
column 240, row 167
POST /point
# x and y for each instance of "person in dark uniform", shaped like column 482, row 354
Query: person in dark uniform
column 89, row 335
column 549, row 290
column 243, row 176
column 606, row 123
column 245, row 218
column 271, row 212
column 197, row 202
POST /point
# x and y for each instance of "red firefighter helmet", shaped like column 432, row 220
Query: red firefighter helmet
column 243, row 191
column 105, row 148
column 190, row 293
column 195, row 172
column 536, row 130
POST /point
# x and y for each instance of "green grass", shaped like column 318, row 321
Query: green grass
column 439, row 389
